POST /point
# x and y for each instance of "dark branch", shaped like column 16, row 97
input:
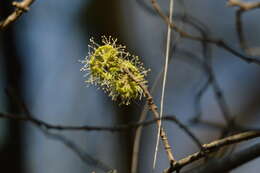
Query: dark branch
column 231, row 162
column 217, row 42
column 242, row 7
column 116, row 128
column 85, row 157
column 213, row 147
column 43, row 127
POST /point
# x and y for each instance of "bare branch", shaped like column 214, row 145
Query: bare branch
column 217, row 42
column 207, row 148
column 231, row 162
column 243, row 7
column 85, row 157
column 213, row 147
column 44, row 127
column 116, row 128
column 138, row 132
column 163, row 136
column 206, row 67
column 153, row 108
column 21, row 7
column 222, row 127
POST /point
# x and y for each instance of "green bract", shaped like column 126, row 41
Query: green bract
column 106, row 65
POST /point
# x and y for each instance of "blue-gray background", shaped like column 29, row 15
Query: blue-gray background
column 53, row 36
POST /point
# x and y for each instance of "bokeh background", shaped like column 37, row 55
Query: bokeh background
column 39, row 58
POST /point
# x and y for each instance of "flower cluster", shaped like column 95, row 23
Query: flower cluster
column 106, row 65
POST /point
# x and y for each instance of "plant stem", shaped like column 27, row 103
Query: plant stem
column 153, row 108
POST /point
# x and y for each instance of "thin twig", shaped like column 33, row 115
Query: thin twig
column 228, row 163
column 213, row 147
column 242, row 8
column 223, row 127
column 138, row 132
column 217, row 42
column 185, row 19
column 44, row 127
column 153, row 108
column 207, row 148
column 21, row 7
column 211, row 80
column 143, row 116
column 206, row 52
column 86, row 128
column 240, row 30
column 85, row 157
column 244, row 5
column 206, row 65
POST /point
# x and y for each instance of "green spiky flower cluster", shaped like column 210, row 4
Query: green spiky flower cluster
column 106, row 66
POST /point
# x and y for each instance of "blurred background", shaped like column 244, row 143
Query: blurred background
column 39, row 58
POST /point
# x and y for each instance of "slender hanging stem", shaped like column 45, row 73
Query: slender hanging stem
column 168, row 44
